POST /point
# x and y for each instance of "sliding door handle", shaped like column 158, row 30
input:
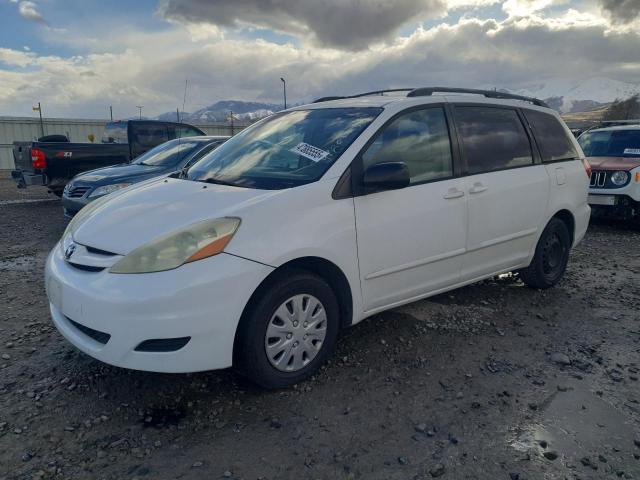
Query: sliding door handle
column 477, row 188
column 453, row 193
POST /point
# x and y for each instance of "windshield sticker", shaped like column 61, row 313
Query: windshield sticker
column 631, row 151
column 309, row 151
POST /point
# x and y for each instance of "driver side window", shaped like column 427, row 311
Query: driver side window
column 420, row 139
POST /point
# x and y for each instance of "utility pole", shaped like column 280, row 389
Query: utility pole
column 39, row 109
column 284, row 91
column 231, row 121
column 111, row 112
column 178, row 114
column 139, row 107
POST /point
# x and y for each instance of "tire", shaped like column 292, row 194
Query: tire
column 251, row 356
column 550, row 260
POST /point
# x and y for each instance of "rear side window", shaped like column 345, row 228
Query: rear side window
column 492, row 138
column 181, row 131
column 552, row 138
column 148, row 136
column 420, row 139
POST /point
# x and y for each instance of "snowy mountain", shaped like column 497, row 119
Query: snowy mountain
column 219, row 112
column 571, row 96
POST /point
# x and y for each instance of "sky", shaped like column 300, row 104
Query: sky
column 78, row 57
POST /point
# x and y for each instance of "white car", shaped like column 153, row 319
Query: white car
column 310, row 221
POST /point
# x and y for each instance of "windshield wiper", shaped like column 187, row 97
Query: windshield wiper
column 217, row 181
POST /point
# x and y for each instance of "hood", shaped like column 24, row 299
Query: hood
column 614, row 163
column 136, row 215
column 119, row 174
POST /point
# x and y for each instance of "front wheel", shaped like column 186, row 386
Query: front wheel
column 550, row 260
column 288, row 332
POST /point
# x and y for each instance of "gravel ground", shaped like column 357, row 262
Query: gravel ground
column 492, row 381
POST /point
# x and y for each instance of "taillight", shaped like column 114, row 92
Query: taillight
column 38, row 158
column 587, row 167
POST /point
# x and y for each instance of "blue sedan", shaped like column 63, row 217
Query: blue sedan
column 169, row 157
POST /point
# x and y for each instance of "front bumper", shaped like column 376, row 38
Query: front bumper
column 72, row 206
column 202, row 300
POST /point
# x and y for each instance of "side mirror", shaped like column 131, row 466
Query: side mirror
column 387, row 176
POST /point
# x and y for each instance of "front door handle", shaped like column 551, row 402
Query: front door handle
column 453, row 193
column 477, row 188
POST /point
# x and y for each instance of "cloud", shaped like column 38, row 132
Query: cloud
column 345, row 24
column 29, row 10
column 518, row 52
column 15, row 57
column 622, row 11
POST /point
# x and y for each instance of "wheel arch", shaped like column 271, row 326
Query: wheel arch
column 567, row 218
column 322, row 267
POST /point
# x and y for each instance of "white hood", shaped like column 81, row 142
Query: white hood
column 139, row 214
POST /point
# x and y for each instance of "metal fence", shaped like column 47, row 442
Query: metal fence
column 77, row 130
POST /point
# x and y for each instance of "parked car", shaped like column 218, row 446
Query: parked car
column 614, row 155
column 310, row 221
column 166, row 158
column 53, row 163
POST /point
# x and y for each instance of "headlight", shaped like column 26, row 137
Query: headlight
column 195, row 242
column 106, row 189
column 619, row 178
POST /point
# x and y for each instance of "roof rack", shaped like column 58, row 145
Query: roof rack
column 366, row 94
column 428, row 91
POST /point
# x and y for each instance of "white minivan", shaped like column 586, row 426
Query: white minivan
column 313, row 219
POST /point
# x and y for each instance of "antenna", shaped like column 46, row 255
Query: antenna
column 184, row 98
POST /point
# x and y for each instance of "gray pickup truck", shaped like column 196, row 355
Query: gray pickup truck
column 54, row 163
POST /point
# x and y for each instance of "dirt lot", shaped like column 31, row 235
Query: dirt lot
column 493, row 381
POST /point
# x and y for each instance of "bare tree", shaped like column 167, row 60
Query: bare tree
column 624, row 109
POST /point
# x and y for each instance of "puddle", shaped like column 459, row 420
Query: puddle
column 577, row 424
column 162, row 417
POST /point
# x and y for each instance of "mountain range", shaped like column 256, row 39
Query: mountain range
column 219, row 112
column 580, row 96
column 566, row 96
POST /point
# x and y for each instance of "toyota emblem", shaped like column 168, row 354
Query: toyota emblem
column 69, row 251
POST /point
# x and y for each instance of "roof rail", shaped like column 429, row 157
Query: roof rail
column 428, row 91
column 620, row 122
column 366, row 94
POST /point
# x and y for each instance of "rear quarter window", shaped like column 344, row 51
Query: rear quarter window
column 492, row 138
column 551, row 137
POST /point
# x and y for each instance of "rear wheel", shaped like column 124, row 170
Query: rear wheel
column 288, row 332
column 550, row 260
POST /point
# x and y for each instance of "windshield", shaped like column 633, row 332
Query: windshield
column 168, row 154
column 611, row 143
column 285, row 150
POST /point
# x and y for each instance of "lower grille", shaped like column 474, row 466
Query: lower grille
column 163, row 344
column 98, row 336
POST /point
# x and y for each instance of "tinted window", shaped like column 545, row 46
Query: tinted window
column 551, row 136
column 420, row 139
column 284, row 150
column 492, row 138
column 147, row 136
column 611, row 143
column 180, row 131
